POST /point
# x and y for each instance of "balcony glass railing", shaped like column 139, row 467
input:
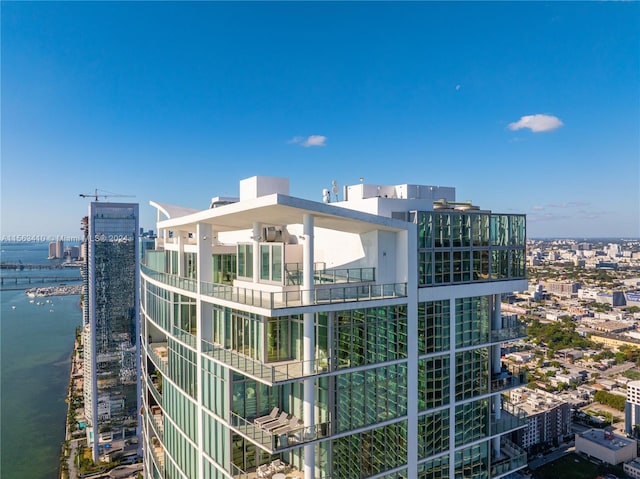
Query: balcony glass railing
column 511, row 418
column 508, row 377
column 283, row 299
column 157, row 452
column 512, row 457
column 159, row 355
column 290, row 473
column 268, row 373
column 509, row 333
column 185, row 337
column 290, row 299
column 273, row 443
column 174, row 280
column 153, row 388
column 294, row 275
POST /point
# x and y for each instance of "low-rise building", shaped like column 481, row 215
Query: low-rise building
column 615, row 340
column 548, row 417
column 632, row 469
column 563, row 288
column 520, row 356
column 606, row 446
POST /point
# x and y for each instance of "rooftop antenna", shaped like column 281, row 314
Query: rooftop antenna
column 334, row 188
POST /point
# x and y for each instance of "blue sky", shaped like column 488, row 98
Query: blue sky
column 523, row 107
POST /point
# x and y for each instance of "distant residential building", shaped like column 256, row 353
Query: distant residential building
column 632, row 468
column 548, row 417
column 614, row 340
column 520, row 357
column 615, row 298
column 571, row 354
column 563, row 288
column 632, row 407
column 607, row 265
column 606, row 446
column 612, row 327
column 632, row 298
column 52, row 250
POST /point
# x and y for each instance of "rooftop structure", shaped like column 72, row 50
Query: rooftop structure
column 606, row 446
column 283, row 335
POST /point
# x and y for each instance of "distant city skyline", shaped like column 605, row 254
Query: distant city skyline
column 524, row 107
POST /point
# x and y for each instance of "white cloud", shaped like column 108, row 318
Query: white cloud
column 311, row 140
column 537, row 208
column 568, row 204
column 537, row 123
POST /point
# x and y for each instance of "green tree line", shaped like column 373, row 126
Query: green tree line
column 613, row 400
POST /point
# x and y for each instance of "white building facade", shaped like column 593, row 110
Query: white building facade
column 360, row 338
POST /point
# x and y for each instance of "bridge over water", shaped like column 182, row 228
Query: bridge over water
column 23, row 266
column 27, row 280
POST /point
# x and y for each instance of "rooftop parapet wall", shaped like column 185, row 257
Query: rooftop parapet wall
column 257, row 186
column 403, row 192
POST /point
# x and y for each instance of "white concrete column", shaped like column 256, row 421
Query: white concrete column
column 496, row 325
column 257, row 237
column 410, row 239
column 204, row 272
column 308, row 343
column 307, row 258
column 162, row 232
column 204, row 264
column 178, row 235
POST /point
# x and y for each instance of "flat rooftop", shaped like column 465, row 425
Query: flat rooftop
column 609, row 440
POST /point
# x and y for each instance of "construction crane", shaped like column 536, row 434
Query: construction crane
column 97, row 195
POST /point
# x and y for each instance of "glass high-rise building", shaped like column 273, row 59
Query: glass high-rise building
column 111, row 329
column 336, row 339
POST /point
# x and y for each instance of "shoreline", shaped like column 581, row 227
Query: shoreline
column 75, row 403
column 61, row 290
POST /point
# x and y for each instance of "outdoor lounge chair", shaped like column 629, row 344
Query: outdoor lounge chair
column 293, row 424
column 264, row 471
column 281, row 421
column 278, row 466
column 272, row 416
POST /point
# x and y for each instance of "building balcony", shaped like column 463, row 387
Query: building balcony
column 511, row 458
column 154, row 440
column 364, row 291
column 157, row 454
column 298, row 297
column 511, row 418
column 269, row 373
column 154, row 385
column 267, row 471
column 157, row 418
column 278, row 439
column 294, row 273
column 509, row 332
column 174, row 280
column 185, row 336
column 159, row 355
column 508, row 377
